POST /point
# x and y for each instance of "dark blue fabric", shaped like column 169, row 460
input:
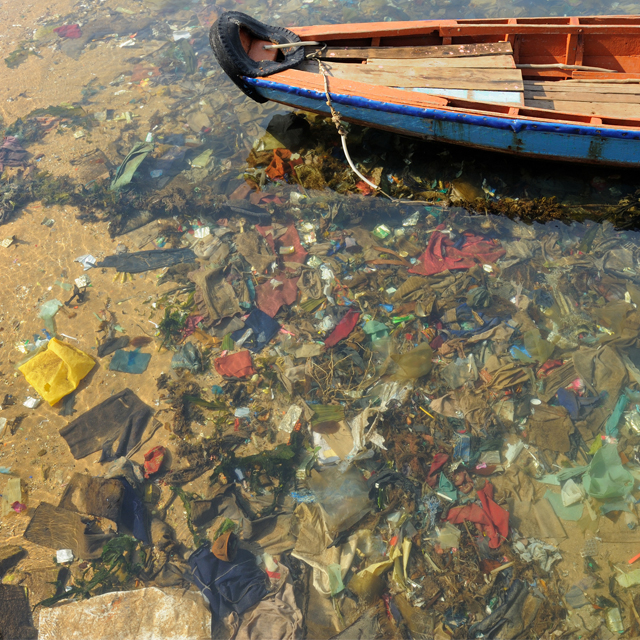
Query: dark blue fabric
column 568, row 400
column 264, row 328
column 464, row 314
column 228, row 586
column 132, row 513
column 459, row 242
column 574, row 403
column 129, row 361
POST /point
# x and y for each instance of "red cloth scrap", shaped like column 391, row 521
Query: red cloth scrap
column 289, row 238
column 68, row 31
column 235, row 365
column 491, row 519
column 270, row 300
column 441, row 253
column 439, row 460
column 191, row 325
column 548, row 367
column 343, row 328
column 281, row 165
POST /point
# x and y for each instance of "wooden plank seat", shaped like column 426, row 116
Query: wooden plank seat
column 616, row 100
column 484, row 72
column 480, row 72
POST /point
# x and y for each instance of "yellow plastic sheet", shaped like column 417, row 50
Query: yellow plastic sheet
column 56, row 372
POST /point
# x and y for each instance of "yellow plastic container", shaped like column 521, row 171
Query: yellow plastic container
column 56, row 372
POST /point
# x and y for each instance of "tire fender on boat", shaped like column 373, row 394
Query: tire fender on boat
column 226, row 43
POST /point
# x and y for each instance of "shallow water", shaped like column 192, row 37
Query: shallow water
column 128, row 79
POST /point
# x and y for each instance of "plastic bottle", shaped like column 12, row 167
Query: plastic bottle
column 614, row 621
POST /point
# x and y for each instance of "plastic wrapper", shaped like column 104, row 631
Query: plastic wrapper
column 10, row 492
column 187, row 357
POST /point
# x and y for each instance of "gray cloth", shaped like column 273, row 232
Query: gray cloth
column 122, row 417
column 276, row 617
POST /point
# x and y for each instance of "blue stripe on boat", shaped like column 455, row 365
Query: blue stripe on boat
column 562, row 141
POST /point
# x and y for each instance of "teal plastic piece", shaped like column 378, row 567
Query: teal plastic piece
column 129, row 361
column 607, row 478
column 611, row 426
column 47, row 312
column 573, row 512
column 447, row 488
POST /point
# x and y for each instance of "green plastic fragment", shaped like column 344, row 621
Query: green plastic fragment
column 64, row 285
column 399, row 319
column 381, row 231
column 202, row 160
column 375, row 330
column 327, row 413
column 130, row 164
column 47, row 312
column 335, row 579
column 311, row 304
column 607, row 478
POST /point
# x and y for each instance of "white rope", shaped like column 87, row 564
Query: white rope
column 335, row 116
column 353, row 166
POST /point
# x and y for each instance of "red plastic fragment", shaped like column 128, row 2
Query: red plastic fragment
column 153, row 460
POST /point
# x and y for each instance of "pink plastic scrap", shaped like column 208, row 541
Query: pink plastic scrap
column 69, row 31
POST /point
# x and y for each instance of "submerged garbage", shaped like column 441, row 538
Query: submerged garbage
column 441, row 442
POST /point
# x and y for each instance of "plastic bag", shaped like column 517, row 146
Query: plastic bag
column 571, row 493
column 606, row 477
column 344, row 497
column 56, row 372
column 536, row 348
column 47, row 312
column 460, row 372
column 448, row 536
column 187, row 357
column 415, row 363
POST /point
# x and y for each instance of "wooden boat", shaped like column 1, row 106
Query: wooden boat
column 557, row 88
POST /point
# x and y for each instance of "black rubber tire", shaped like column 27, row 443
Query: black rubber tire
column 224, row 38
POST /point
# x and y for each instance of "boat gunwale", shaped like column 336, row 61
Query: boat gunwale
column 478, row 117
column 561, row 25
